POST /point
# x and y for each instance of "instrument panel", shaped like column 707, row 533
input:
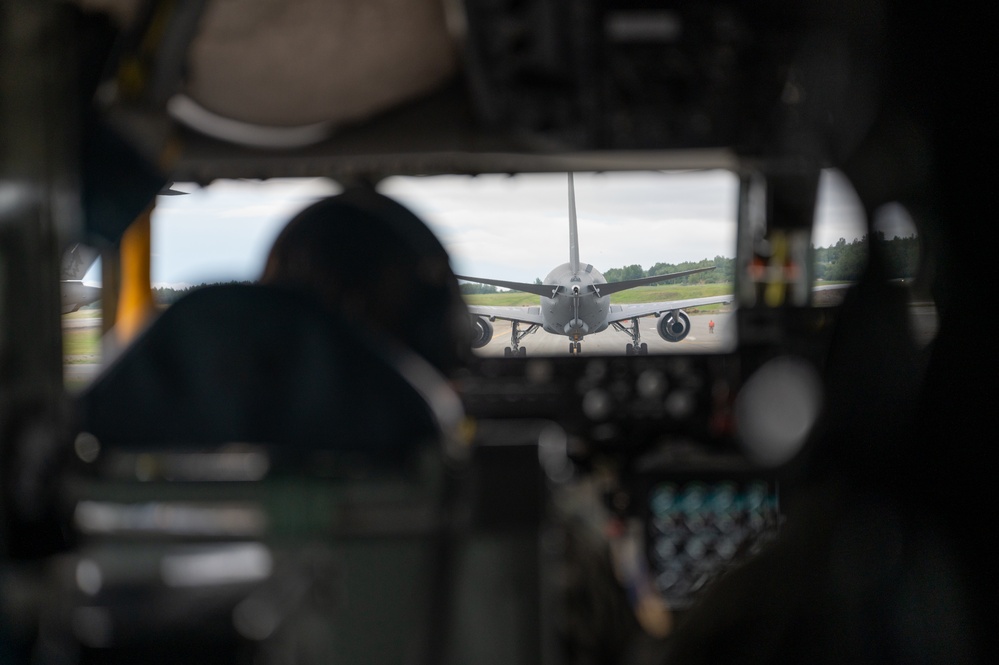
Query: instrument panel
column 627, row 404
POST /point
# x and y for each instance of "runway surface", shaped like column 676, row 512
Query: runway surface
column 79, row 370
column 80, row 322
column 611, row 342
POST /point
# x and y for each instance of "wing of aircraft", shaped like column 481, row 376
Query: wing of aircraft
column 673, row 322
column 626, row 312
column 531, row 315
column 482, row 330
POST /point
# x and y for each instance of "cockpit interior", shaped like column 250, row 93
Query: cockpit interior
column 654, row 338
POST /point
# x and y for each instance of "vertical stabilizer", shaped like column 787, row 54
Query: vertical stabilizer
column 573, row 234
column 77, row 261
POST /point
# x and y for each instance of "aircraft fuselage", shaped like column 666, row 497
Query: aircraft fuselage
column 576, row 309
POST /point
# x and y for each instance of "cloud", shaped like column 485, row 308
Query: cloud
column 517, row 227
column 838, row 211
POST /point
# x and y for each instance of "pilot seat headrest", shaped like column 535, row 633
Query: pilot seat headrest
column 375, row 262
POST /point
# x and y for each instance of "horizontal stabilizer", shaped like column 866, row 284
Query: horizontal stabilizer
column 545, row 290
column 614, row 287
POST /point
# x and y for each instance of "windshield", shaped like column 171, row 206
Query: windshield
column 506, row 231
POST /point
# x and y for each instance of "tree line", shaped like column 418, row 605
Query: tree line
column 165, row 295
column 724, row 271
column 846, row 260
column 841, row 261
column 471, row 288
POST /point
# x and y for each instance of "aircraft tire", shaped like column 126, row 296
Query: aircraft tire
column 522, row 352
column 644, row 350
column 507, row 352
column 629, row 349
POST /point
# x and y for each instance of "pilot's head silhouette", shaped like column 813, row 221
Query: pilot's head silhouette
column 377, row 264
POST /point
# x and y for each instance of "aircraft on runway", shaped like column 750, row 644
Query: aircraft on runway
column 75, row 264
column 575, row 302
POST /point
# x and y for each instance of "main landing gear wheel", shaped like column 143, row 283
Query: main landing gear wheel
column 515, row 350
column 575, row 348
column 636, row 347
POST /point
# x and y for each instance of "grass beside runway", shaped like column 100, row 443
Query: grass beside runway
column 81, row 347
column 81, row 343
column 643, row 294
column 84, row 313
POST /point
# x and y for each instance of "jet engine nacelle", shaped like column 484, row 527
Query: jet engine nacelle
column 673, row 326
column 482, row 332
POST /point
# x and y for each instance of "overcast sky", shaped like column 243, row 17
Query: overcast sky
column 513, row 228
